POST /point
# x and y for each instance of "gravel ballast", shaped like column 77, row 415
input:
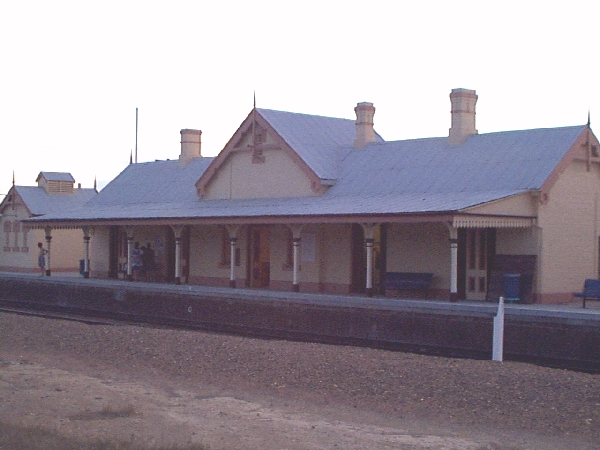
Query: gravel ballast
column 497, row 399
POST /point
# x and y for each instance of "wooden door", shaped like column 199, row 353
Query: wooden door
column 260, row 253
column 477, row 257
column 114, row 251
column 358, row 271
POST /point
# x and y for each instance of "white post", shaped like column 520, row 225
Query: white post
column 453, row 262
column 130, row 231
column 233, row 231
column 178, row 232
column 232, row 244
column 369, row 243
column 129, row 248
column 498, row 339
column 178, row 260
column 369, row 229
column 86, row 261
column 296, row 240
column 296, row 246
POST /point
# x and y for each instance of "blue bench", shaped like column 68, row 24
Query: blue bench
column 591, row 291
column 408, row 281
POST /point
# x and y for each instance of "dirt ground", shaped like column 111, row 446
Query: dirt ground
column 172, row 386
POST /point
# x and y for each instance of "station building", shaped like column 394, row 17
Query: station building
column 54, row 193
column 320, row 204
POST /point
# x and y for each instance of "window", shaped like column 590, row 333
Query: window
column 7, row 231
column 122, row 243
column 16, row 227
column 25, row 248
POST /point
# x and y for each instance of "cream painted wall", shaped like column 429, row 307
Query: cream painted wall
column 278, row 176
column 205, row 244
column 205, row 253
column 516, row 205
column 517, row 241
column 66, row 245
column 67, row 248
column 278, row 241
column 99, row 252
column 310, row 272
column 420, row 247
column 335, row 254
column 280, row 271
column 23, row 240
column 569, row 231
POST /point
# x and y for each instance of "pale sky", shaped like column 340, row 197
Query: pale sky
column 73, row 72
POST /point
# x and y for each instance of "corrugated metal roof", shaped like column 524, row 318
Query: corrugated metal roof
column 320, row 141
column 39, row 202
column 153, row 182
column 56, row 176
column 504, row 162
column 400, row 177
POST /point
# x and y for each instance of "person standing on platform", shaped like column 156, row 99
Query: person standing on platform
column 42, row 258
column 136, row 261
column 148, row 257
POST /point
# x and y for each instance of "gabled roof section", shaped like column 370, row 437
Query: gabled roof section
column 153, row 182
column 585, row 148
column 320, row 141
column 39, row 202
column 317, row 143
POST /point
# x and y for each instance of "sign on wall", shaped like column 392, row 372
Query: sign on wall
column 308, row 247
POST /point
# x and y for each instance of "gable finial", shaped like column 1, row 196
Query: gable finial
column 95, row 183
column 589, row 122
column 131, row 157
column 12, row 198
column 254, row 99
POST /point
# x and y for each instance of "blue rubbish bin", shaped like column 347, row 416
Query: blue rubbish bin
column 512, row 287
column 81, row 267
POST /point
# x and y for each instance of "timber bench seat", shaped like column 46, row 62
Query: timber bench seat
column 408, row 281
column 591, row 291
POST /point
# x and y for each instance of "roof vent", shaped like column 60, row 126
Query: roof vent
column 56, row 182
column 365, row 133
column 463, row 115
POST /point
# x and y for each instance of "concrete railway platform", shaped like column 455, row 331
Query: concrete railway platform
column 562, row 335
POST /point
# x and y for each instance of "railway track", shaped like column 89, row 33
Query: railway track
column 58, row 315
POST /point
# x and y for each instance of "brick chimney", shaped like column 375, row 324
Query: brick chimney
column 365, row 134
column 190, row 145
column 463, row 115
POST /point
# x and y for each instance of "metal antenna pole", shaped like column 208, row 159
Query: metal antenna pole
column 136, row 133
